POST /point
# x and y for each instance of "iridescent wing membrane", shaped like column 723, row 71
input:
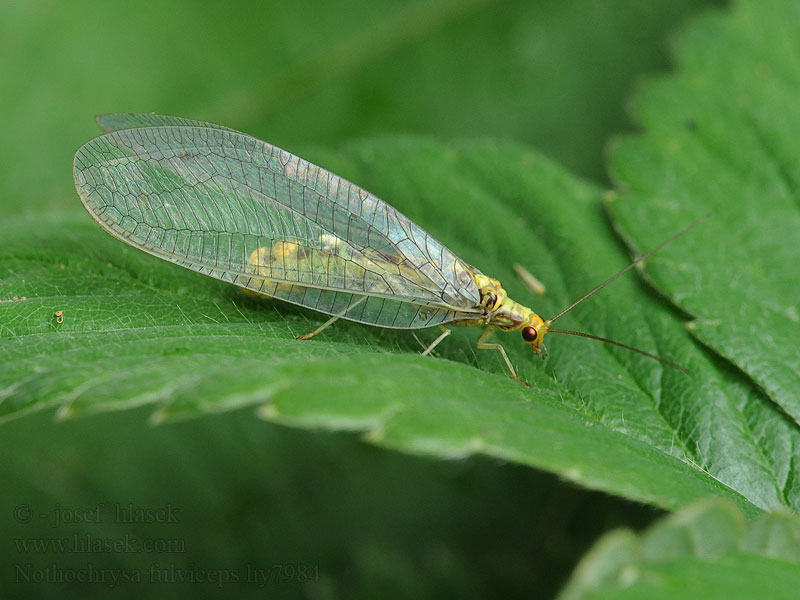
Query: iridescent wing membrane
column 233, row 207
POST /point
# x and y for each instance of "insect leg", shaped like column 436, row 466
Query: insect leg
column 332, row 320
column 434, row 343
column 484, row 345
column 536, row 286
column 308, row 336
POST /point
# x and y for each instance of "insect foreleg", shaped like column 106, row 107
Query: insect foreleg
column 484, row 345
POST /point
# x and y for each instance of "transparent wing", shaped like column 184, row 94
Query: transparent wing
column 226, row 204
column 118, row 121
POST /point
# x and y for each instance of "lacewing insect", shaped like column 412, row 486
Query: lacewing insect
column 228, row 205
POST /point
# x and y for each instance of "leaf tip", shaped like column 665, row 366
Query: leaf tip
column 65, row 412
column 158, row 416
column 268, row 412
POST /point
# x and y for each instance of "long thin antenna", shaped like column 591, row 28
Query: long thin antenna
column 621, row 345
column 625, row 270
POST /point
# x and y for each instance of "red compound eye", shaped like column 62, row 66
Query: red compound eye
column 529, row 334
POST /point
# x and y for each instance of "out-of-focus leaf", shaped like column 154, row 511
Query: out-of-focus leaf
column 707, row 550
column 552, row 73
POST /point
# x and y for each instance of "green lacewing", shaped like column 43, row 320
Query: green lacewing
column 228, row 205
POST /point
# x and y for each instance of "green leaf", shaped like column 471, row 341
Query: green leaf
column 706, row 550
column 138, row 331
column 722, row 138
column 553, row 74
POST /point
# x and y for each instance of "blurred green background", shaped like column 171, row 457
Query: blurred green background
column 555, row 75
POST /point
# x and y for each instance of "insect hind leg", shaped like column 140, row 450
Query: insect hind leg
column 434, row 343
column 331, row 321
column 324, row 326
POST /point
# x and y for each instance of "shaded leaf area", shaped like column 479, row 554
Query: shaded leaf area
column 707, row 550
column 722, row 137
column 550, row 73
column 247, row 495
column 138, row 331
